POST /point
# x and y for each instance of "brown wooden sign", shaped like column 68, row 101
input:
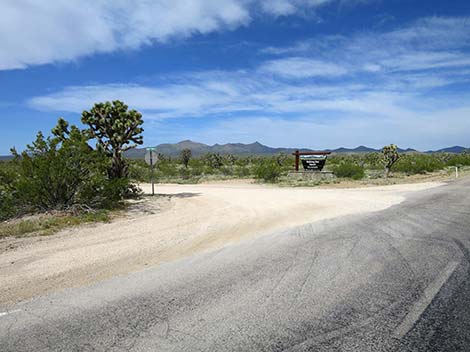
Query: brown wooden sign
column 311, row 161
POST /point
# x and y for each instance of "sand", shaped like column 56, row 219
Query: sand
column 182, row 220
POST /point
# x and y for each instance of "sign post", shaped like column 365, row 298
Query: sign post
column 151, row 158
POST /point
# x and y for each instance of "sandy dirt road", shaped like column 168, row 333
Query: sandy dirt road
column 182, row 220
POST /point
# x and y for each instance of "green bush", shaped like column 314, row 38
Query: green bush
column 167, row 169
column 184, row 173
column 8, row 198
column 60, row 172
column 419, row 164
column 349, row 170
column 52, row 172
column 226, row 171
column 139, row 171
column 214, row 160
column 242, row 171
column 268, row 171
column 459, row 159
column 7, row 205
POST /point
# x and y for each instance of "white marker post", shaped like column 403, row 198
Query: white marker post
column 151, row 158
column 456, row 172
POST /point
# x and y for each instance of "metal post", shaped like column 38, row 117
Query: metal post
column 297, row 160
column 151, row 167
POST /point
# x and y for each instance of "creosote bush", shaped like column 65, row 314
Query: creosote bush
column 268, row 171
column 349, row 170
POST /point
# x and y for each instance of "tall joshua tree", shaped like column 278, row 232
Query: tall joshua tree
column 116, row 130
column 186, row 155
column 390, row 157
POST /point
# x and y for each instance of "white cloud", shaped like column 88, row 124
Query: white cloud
column 34, row 32
column 298, row 67
column 224, row 94
column 37, row 32
column 279, row 7
column 425, row 60
column 429, row 43
column 172, row 100
column 287, row 7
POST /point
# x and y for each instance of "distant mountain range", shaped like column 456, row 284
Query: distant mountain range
column 257, row 148
column 456, row 149
column 254, row 149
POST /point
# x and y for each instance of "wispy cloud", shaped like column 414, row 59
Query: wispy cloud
column 288, row 7
column 429, row 43
column 298, row 67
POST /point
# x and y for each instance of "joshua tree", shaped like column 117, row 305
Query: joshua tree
column 231, row 159
column 390, row 157
column 186, row 156
column 214, row 160
column 116, row 130
column 281, row 158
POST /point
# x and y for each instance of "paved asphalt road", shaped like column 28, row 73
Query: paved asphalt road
column 395, row 280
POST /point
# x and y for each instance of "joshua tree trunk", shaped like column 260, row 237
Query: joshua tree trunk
column 387, row 171
column 119, row 168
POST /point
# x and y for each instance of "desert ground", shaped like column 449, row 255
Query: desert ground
column 179, row 221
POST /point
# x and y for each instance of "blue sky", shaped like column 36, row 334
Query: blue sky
column 294, row 73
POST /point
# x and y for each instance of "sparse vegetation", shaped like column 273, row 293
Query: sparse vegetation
column 349, row 170
column 64, row 173
column 365, row 166
column 49, row 223
column 268, row 171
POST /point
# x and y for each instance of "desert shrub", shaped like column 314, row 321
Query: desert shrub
column 197, row 170
column 226, row 171
column 100, row 192
column 242, row 162
column 242, row 171
column 139, row 171
column 230, row 160
column 8, row 199
column 61, row 172
column 52, row 171
column 268, row 171
column 167, row 168
column 281, row 159
column 459, row 159
column 184, row 173
column 349, row 170
column 373, row 161
column 214, row 160
column 7, row 205
column 419, row 164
